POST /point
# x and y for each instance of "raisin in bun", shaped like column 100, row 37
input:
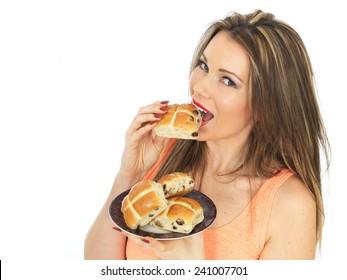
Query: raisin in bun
column 181, row 215
column 145, row 201
column 180, row 121
column 176, row 184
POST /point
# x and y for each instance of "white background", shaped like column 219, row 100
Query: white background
column 73, row 75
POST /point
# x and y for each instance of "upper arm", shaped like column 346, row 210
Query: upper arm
column 292, row 225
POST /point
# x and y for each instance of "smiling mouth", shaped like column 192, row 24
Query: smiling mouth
column 206, row 114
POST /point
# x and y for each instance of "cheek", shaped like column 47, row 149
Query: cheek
column 190, row 87
column 235, row 110
column 194, row 78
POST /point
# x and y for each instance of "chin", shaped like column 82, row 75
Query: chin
column 202, row 137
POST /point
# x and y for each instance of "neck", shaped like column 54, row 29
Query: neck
column 223, row 156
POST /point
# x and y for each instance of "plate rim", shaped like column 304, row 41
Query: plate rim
column 166, row 236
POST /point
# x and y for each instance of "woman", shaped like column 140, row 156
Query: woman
column 257, row 155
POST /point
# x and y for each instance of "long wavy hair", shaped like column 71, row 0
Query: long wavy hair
column 288, row 131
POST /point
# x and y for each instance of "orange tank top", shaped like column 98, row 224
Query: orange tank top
column 243, row 238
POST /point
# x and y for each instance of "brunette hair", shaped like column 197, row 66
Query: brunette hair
column 288, row 131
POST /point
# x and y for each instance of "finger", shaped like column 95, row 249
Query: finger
column 141, row 242
column 158, row 107
column 142, row 120
column 148, row 114
column 158, row 142
column 137, row 135
column 155, row 245
column 117, row 229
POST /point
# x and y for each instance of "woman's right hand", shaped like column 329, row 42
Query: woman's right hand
column 142, row 145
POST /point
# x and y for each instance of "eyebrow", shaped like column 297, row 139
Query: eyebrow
column 225, row 71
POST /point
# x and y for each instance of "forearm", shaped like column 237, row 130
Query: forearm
column 102, row 241
column 140, row 153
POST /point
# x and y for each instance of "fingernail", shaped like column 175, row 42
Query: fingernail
column 117, row 229
column 158, row 115
column 164, row 102
column 164, row 108
column 153, row 122
column 145, row 240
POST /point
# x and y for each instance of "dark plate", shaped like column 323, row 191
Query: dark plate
column 207, row 204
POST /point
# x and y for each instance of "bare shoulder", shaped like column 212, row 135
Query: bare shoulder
column 294, row 196
column 293, row 189
column 292, row 225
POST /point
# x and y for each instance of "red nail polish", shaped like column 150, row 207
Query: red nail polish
column 164, row 102
column 158, row 115
column 164, row 108
column 145, row 240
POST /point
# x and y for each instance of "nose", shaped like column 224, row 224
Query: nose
column 202, row 88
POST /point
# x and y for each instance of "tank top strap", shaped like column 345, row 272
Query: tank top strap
column 265, row 198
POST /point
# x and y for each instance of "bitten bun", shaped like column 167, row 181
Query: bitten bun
column 145, row 201
column 180, row 121
column 176, row 184
column 181, row 215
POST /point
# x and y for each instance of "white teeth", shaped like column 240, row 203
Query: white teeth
column 200, row 109
column 203, row 113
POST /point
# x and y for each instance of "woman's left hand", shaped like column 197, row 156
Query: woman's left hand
column 189, row 248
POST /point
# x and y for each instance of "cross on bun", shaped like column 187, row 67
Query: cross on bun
column 180, row 121
column 176, row 184
column 181, row 215
column 145, row 201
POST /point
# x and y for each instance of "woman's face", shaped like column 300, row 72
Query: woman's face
column 219, row 85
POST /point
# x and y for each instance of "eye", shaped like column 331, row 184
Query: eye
column 228, row 82
column 203, row 65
